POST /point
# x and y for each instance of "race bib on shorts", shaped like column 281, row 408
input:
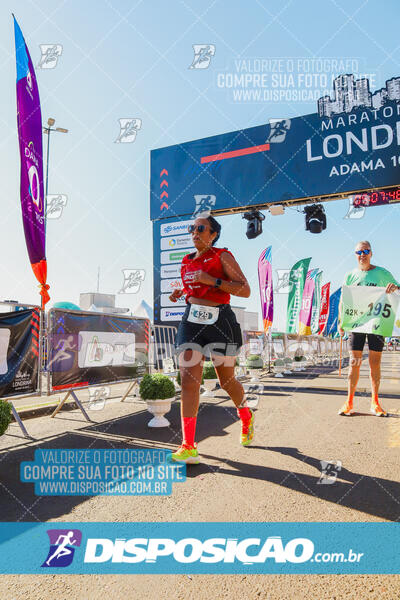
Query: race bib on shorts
column 203, row 315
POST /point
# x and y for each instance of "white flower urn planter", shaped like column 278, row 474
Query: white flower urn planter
column 159, row 408
column 209, row 384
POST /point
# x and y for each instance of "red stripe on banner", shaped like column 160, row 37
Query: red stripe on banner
column 234, row 153
column 35, row 333
column 35, row 352
column 70, row 385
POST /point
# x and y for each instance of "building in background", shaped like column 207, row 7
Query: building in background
column 247, row 319
column 97, row 302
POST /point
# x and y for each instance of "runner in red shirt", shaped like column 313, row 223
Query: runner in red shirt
column 209, row 328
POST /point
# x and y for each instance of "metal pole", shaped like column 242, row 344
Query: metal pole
column 48, row 129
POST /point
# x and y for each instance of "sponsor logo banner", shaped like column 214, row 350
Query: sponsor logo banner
column 174, row 256
column 176, row 242
column 173, row 271
column 172, row 314
column 169, row 285
column 155, row 548
column 19, row 352
column 93, row 349
column 176, row 228
column 165, row 301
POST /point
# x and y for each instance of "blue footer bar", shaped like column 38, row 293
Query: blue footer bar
column 213, row 548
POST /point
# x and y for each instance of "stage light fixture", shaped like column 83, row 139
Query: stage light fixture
column 254, row 219
column 315, row 218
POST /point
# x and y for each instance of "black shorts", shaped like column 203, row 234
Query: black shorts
column 224, row 337
column 375, row 342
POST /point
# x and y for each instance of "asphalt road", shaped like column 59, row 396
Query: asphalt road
column 276, row 479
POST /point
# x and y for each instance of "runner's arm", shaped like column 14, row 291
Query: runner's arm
column 238, row 284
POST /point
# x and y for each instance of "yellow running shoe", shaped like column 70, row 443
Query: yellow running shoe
column 247, row 434
column 187, row 454
column 346, row 410
column 377, row 410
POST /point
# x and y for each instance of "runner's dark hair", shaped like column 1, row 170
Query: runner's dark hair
column 215, row 228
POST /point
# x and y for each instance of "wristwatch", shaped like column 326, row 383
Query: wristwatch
column 217, row 283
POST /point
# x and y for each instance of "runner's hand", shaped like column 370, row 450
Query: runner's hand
column 391, row 287
column 176, row 294
column 203, row 277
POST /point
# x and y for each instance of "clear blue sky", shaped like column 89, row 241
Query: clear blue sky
column 125, row 59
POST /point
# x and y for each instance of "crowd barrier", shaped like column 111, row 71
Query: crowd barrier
column 20, row 354
column 162, row 349
column 82, row 350
column 288, row 352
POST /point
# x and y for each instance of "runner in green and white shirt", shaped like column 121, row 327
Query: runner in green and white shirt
column 371, row 275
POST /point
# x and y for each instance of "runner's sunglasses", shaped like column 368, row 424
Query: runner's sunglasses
column 360, row 252
column 200, row 228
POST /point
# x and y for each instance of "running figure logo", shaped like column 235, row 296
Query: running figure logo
column 128, row 130
column 278, row 131
column 283, row 283
column 63, row 352
column 202, row 56
column 63, row 543
column 132, row 280
column 98, row 397
column 204, row 203
column 50, row 55
column 354, row 211
column 329, row 471
column 55, row 205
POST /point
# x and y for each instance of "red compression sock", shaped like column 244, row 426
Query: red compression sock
column 244, row 414
column 189, row 430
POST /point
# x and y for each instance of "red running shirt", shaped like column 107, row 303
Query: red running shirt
column 210, row 262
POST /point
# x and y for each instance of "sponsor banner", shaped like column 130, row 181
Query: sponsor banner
column 170, row 272
column 19, row 352
column 95, row 348
column 29, row 120
column 110, row 472
column 103, row 348
column 297, row 280
column 323, row 315
column 168, row 314
column 306, row 303
column 176, row 228
column 332, row 324
column 348, row 144
column 176, row 242
column 316, row 304
column 169, row 285
column 266, row 287
column 167, row 269
column 174, row 256
column 165, row 301
column 368, row 309
column 201, row 548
